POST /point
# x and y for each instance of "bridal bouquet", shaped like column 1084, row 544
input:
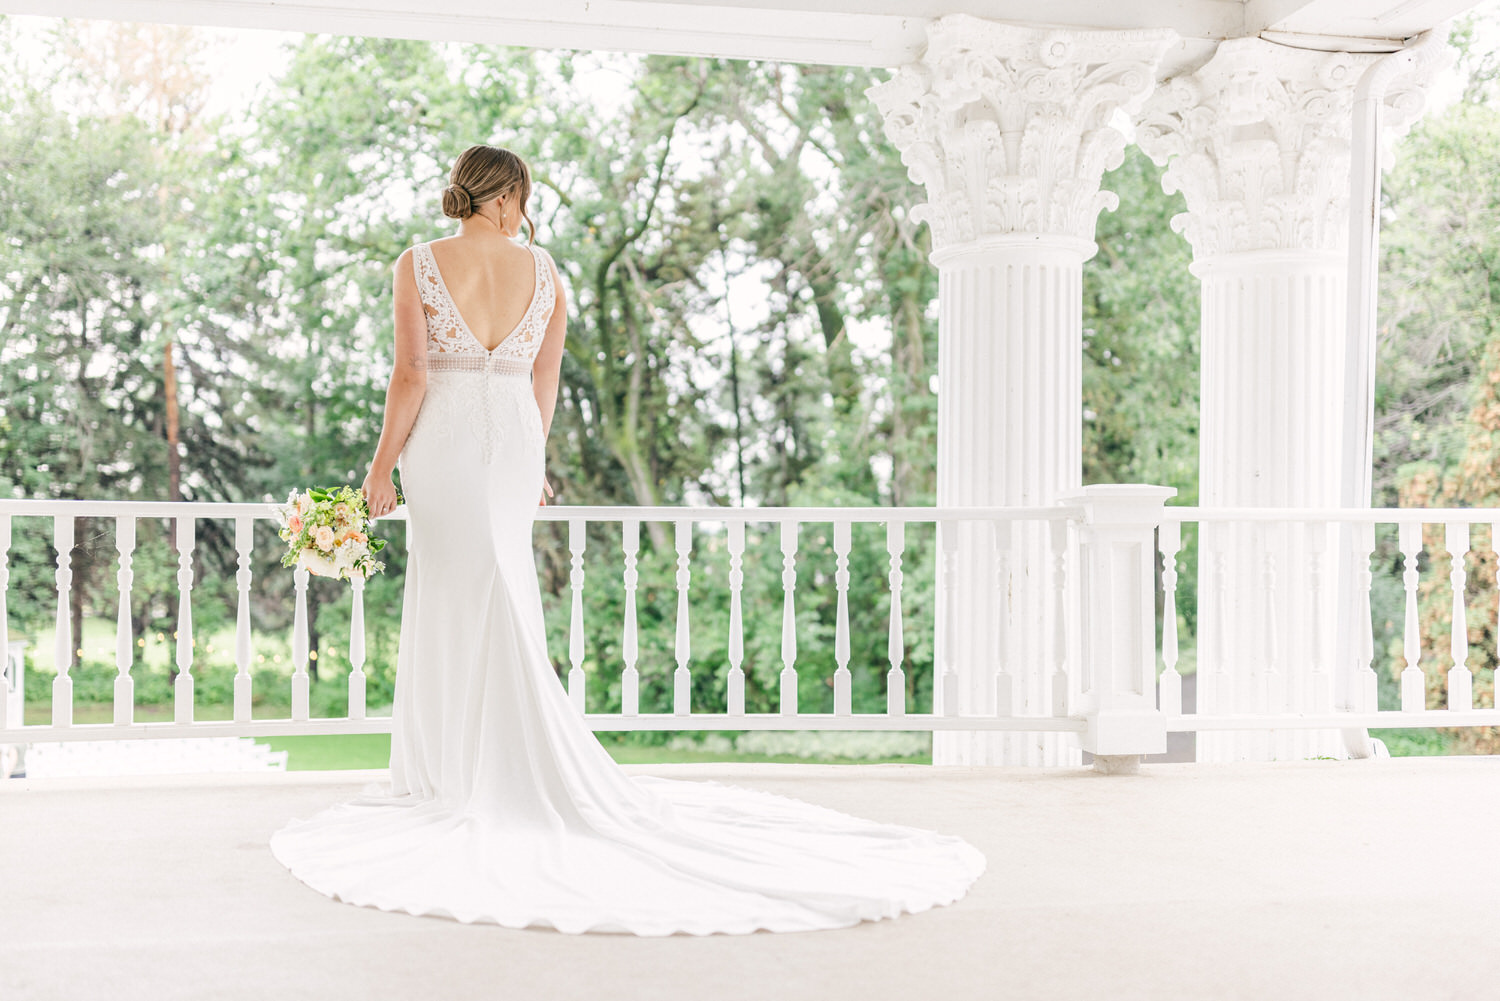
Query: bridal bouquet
column 325, row 531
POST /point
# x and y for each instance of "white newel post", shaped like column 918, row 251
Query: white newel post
column 1007, row 129
column 1118, row 551
column 1258, row 142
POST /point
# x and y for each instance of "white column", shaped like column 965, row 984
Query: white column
column 1007, row 129
column 1257, row 140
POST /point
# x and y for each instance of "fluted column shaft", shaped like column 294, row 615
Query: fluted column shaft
column 1010, row 429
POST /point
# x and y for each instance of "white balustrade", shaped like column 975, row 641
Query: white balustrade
column 124, row 633
column 1460, row 679
column 577, row 541
column 630, row 680
column 62, row 647
column 843, row 681
column 1099, row 680
column 1169, row 685
column 1270, row 691
column 1366, row 685
column 1061, row 685
column 1413, row 682
column 1319, row 695
column 183, row 693
column 947, row 679
column 1004, row 696
column 300, row 682
column 788, row 618
column 682, row 679
column 736, row 533
column 357, row 649
column 5, row 709
column 895, row 679
column 244, row 647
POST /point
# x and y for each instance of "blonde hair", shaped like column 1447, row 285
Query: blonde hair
column 484, row 172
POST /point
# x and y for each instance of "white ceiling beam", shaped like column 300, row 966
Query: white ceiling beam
column 1394, row 20
column 1263, row 14
column 845, row 32
column 884, row 33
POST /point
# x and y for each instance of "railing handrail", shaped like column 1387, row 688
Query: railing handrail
column 562, row 512
column 1364, row 515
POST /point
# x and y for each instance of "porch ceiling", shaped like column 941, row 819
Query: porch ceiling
column 853, row 32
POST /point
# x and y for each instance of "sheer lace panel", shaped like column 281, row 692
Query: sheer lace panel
column 447, row 333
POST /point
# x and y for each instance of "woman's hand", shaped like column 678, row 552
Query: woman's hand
column 380, row 493
column 546, row 490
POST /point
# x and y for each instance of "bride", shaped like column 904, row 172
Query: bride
column 502, row 806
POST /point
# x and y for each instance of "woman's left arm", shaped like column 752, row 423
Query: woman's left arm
column 546, row 370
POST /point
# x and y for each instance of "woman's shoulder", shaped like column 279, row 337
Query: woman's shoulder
column 405, row 263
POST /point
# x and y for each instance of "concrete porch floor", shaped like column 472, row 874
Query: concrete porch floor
column 1319, row 879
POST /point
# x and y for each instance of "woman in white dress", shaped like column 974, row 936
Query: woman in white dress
column 502, row 806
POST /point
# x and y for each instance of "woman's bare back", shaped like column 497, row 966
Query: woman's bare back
column 491, row 281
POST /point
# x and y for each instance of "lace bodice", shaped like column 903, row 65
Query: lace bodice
column 449, row 336
column 471, row 390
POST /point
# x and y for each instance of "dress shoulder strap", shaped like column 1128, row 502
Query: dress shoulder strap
column 426, row 273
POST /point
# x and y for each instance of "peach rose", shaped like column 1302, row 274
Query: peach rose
column 295, row 524
column 342, row 512
column 324, row 538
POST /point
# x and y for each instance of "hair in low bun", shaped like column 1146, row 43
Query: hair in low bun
column 456, row 202
column 482, row 173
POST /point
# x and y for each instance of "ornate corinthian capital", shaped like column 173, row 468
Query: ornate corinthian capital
column 1007, row 128
column 1257, row 140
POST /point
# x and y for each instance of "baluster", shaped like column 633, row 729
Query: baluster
column 357, row 650
column 788, row 618
column 1060, row 682
column 1005, row 676
column 186, row 539
column 843, row 681
column 577, row 540
column 1320, row 679
column 895, row 677
column 1460, row 680
column 299, row 646
column 1221, row 686
column 736, row 532
column 5, row 623
column 1169, row 685
column 1413, row 683
column 947, row 688
column 244, row 542
column 1270, row 693
column 62, row 647
column 124, row 633
column 682, row 678
column 630, row 681
column 1366, row 685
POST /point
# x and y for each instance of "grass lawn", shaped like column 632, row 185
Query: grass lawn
column 373, row 750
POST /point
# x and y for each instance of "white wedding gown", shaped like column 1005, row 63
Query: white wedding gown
column 502, row 806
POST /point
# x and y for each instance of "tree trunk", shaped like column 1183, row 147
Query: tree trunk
column 174, row 461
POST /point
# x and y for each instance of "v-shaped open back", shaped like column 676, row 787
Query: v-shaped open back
column 449, row 333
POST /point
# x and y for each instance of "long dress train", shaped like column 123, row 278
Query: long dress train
column 502, row 805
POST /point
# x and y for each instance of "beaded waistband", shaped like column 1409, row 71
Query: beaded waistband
column 443, row 361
